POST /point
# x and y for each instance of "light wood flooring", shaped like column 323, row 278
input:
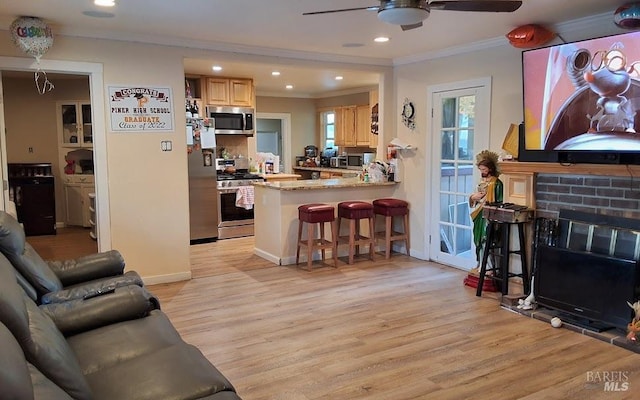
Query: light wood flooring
column 392, row 330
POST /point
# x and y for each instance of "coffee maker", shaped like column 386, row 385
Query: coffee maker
column 311, row 151
column 325, row 157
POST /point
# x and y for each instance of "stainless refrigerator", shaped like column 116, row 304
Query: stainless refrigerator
column 203, row 196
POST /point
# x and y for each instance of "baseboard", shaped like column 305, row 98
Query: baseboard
column 268, row 256
column 158, row 279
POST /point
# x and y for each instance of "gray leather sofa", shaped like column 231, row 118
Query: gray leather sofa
column 118, row 345
column 57, row 281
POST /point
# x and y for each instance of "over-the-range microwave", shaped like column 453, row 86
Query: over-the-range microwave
column 232, row 120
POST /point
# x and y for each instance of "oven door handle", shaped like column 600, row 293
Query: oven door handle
column 227, row 190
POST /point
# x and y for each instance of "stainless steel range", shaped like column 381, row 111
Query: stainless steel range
column 234, row 220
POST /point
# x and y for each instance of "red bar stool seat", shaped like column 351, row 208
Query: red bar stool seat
column 389, row 208
column 355, row 212
column 316, row 214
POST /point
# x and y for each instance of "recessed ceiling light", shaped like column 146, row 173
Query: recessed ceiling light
column 216, row 68
column 339, row 78
column 275, row 73
column 289, row 86
column 98, row 14
column 104, row 3
column 381, row 39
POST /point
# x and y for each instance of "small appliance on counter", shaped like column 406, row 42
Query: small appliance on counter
column 326, row 156
column 311, row 151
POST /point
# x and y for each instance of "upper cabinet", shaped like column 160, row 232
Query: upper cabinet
column 74, row 123
column 353, row 126
column 230, row 92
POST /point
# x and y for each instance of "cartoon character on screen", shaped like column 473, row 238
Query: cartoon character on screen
column 489, row 190
column 609, row 78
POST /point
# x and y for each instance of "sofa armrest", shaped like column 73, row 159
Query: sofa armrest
column 92, row 288
column 87, row 268
column 121, row 304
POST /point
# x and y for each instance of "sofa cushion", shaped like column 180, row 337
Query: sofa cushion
column 179, row 371
column 43, row 388
column 24, row 258
column 40, row 340
column 92, row 288
column 104, row 347
column 14, row 373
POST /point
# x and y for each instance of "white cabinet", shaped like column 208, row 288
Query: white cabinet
column 74, row 124
column 77, row 191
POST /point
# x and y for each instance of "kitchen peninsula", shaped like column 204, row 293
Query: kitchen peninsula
column 276, row 210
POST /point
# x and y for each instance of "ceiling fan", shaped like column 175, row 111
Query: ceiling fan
column 409, row 14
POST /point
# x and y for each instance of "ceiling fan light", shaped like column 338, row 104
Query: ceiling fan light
column 403, row 16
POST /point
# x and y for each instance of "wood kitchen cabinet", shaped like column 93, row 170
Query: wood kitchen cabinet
column 353, row 126
column 363, row 125
column 75, row 128
column 230, row 92
column 77, row 190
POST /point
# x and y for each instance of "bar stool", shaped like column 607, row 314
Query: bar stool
column 497, row 245
column 355, row 212
column 312, row 214
column 389, row 208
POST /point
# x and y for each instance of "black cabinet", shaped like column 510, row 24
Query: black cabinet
column 31, row 188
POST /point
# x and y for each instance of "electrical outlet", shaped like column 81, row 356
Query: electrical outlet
column 30, row 149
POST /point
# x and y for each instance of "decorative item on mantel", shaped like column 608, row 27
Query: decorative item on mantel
column 510, row 143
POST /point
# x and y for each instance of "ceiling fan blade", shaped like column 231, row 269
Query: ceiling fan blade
column 477, row 5
column 412, row 26
column 372, row 8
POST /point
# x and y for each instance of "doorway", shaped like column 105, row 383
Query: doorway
column 95, row 75
column 460, row 126
column 273, row 135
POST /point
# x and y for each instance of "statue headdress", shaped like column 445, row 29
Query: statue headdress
column 490, row 156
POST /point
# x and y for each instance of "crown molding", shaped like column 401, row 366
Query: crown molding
column 600, row 25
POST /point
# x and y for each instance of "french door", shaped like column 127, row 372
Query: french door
column 460, row 126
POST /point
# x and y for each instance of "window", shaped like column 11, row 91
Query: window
column 328, row 128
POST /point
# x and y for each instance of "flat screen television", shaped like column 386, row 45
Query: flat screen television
column 581, row 101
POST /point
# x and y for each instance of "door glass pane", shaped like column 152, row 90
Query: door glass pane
column 466, row 113
column 447, row 177
column 446, row 239
column 448, row 143
column 465, row 144
column 449, row 112
column 69, row 123
column 87, row 131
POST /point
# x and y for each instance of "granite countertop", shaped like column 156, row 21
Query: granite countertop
column 280, row 176
column 327, row 169
column 312, row 184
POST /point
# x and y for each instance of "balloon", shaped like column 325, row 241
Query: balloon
column 628, row 16
column 527, row 36
column 31, row 35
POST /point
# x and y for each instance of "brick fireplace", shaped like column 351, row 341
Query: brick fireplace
column 548, row 187
column 610, row 195
column 612, row 190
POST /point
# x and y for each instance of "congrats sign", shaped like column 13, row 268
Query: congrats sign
column 138, row 108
